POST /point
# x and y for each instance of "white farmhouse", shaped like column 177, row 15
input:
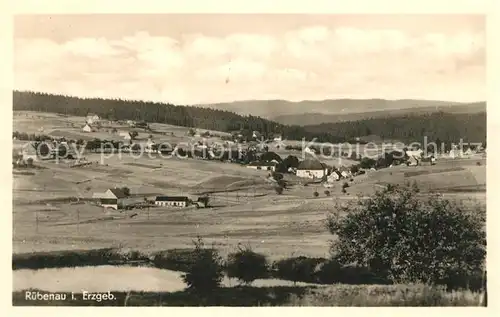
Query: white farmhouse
column 345, row 172
column 256, row 134
column 28, row 151
column 310, row 168
column 309, row 151
column 92, row 118
column 126, row 136
column 334, row 176
column 87, row 128
column 456, row 152
column 113, row 198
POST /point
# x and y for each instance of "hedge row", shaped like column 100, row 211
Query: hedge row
column 296, row 269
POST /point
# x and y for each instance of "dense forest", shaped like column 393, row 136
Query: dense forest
column 445, row 127
column 187, row 116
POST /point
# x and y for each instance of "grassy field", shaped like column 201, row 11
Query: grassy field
column 337, row 295
column 245, row 207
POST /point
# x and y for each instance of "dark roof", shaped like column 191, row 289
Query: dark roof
column 269, row 156
column 310, row 164
column 172, row 198
column 118, row 192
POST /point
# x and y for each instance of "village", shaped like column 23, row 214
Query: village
column 273, row 156
column 249, row 160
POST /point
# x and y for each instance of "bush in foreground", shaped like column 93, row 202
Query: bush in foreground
column 410, row 239
column 385, row 295
column 246, row 265
column 297, row 269
column 206, row 272
column 175, row 259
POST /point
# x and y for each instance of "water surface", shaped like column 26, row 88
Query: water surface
column 112, row 278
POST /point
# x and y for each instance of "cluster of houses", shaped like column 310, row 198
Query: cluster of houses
column 309, row 168
column 90, row 121
column 30, row 150
column 459, row 152
column 314, row 169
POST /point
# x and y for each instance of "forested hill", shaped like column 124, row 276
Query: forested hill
column 199, row 117
column 313, row 118
column 447, row 127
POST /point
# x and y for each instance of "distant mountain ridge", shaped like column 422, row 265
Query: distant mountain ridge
column 443, row 126
column 318, row 118
column 337, row 110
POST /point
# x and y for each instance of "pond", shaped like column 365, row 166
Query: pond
column 112, row 278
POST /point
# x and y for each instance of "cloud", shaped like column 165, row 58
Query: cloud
column 308, row 63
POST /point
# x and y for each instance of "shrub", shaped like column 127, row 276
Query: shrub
column 329, row 272
column 344, row 191
column 327, row 192
column 316, row 194
column 297, row 269
column 478, row 163
column 175, row 259
column 126, row 191
column 279, row 190
column 408, row 239
column 246, row 265
column 282, row 183
column 206, row 272
column 345, row 185
column 277, row 176
column 205, row 200
column 355, row 169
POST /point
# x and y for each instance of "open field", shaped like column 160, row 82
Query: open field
column 245, row 207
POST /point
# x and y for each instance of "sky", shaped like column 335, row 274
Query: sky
column 202, row 59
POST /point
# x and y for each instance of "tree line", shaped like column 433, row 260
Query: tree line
column 187, row 116
column 439, row 126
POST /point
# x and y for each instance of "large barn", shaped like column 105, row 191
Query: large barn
column 173, row 201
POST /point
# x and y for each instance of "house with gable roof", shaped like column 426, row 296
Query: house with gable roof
column 311, row 168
